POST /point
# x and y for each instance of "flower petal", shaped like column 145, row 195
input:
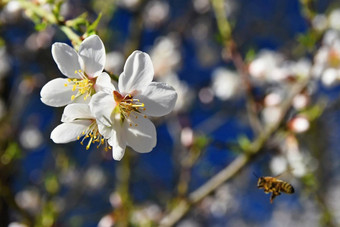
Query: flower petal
column 159, row 99
column 142, row 138
column 138, row 73
column 102, row 105
column 92, row 51
column 104, row 83
column 117, row 143
column 76, row 111
column 68, row 132
column 67, row 59
column 56, row 94
column 105, row 131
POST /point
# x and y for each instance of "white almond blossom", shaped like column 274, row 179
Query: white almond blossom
column 267, row 66
column 334, row 19
column 327, row 59
column 82, row 69
column 225, row 83
column 124, row 111
column 78, row 122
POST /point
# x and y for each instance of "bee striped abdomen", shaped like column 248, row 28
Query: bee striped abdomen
column 287, row 188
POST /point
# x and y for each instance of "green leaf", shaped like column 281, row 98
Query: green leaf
column 244, row 142
column 201, row 142
column 41, row 26
column 51, row 184
column 312, row 112
column 12, row 152
column 91, row 29
column 81, row 20
column 250, row 55
column 308, row 40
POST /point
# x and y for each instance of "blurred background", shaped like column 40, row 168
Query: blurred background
column 233, row 63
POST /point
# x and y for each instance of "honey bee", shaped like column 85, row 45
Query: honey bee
column 274, row 185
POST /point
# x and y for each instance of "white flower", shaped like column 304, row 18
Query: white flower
column 268, row 66
column 334, row 19
column 165, row 55
column 78, row 121
column 320, row 22
column 327, row 59
column 82, row 70
column 124, row 111
column 225, row 83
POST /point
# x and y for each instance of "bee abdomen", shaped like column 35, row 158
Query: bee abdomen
column 287, row 188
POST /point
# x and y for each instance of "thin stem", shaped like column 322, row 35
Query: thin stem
column 221, row 19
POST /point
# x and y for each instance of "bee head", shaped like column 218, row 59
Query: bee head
column 260, row 182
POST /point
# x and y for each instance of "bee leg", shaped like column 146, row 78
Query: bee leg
column 273, row 195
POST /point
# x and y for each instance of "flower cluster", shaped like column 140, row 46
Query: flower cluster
column 101, row 111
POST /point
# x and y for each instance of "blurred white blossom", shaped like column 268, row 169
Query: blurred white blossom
column 16, row 224
column 301, row 68
column 334, row 19
column 31, row 137
column 278, row 165
column 146, row 214
column 41, row 39
column 225, row 83
column 156, row 12
column 330, row 76
column 267, row 66
column 206, row 95
column 201, row 6
column 189, row 222
column 184, row 92
column 70, row 177
column 116, row 200
column 327, row 59
column 271, row 114
column 106, row 221
column 11, row 12
column 94, row 178
column 273, row 99
column 299, row 124
column 187, row 136
column 129, row 4
column 29, row 199
column 320, row 22
column 333, row 198
column 165, row 55
column 300, row 101
column 296, row 159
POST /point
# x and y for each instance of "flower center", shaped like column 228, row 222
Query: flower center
column 94, row 136
column 83, row 85
column 128, row 107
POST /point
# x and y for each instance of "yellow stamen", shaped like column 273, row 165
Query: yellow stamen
column 94, row 136
column 83, row 86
